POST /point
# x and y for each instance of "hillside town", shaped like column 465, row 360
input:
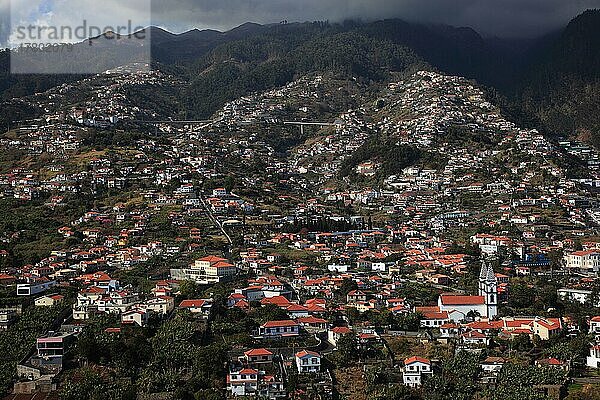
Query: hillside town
column 273, row 252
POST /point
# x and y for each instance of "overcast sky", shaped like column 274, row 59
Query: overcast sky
column 504, row 18
column 495, row 17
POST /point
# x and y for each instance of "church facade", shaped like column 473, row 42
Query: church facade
column 484, row 305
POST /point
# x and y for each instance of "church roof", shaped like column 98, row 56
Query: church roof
column 458, row 300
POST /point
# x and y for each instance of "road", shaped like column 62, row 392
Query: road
column 214, row 219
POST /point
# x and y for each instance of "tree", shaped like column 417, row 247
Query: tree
column 188, row 289
column 347, row 286
column 347, row 347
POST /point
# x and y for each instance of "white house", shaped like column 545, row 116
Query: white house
column 197, row 306
column 274, row 329
column 593, row 360
column 415, row 368
column 243, row 382
column 136, row 316
column 449, row 330
column 491, row 368
column 258, row 356
column 161, row 304
column 587, row 261
column 334, row 334
column 595, row 325
column 338, row 268
column 207, row 270
column 308, row 361
column 49, row 300
column 579, row 295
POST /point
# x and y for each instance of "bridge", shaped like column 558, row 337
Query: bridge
column 302, row 124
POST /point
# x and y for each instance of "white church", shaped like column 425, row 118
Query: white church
column 485, row 304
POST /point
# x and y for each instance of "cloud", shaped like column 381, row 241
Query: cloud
column 507, row 18
column 496, row 17
column 54, row 15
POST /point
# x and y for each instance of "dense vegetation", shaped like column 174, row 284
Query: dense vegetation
column 561, row 85
column 16, row 342
column 283, row 53
column 392, row 156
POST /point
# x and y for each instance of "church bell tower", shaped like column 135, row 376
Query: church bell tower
column 488, row 288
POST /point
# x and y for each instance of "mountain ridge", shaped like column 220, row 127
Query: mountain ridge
column 544, row 80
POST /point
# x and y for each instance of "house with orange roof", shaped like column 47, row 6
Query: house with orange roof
column 207, row 270
column 355, row 296
column 553, row 363
column 258, row 356
column 308, row 361
column 278, row 301
column 583, row 261
column 297, row 310
column 279, row 329
column 201, row 307
column 48, row 300
column 6, row 279
column 545, row 328
column 474, row 338
column 243, row 382
column 234, row 298
column 415, row 369
column 312, row 323
column 432, row 317
column 334, row 334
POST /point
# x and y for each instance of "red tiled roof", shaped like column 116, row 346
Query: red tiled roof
column 304, row 353
column 258, row 352
column 248, row 371
column 272, row 324
column 414, row 359
column 212, row 259
column 277, row 300
column 192, row 303
column 457, row 300
column 341, row 330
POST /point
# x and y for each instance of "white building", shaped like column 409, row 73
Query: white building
column 586, row 261
column 415, row 368
column 579, row 295
column 49, row 300
column 308, row 361
column 593, row 360
column 459, row 306
column 334, row 334
column 243, row 382
column 137, row 316
column 30, row 289
column 207, row 270
column 198, row 306
column 595, row 325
